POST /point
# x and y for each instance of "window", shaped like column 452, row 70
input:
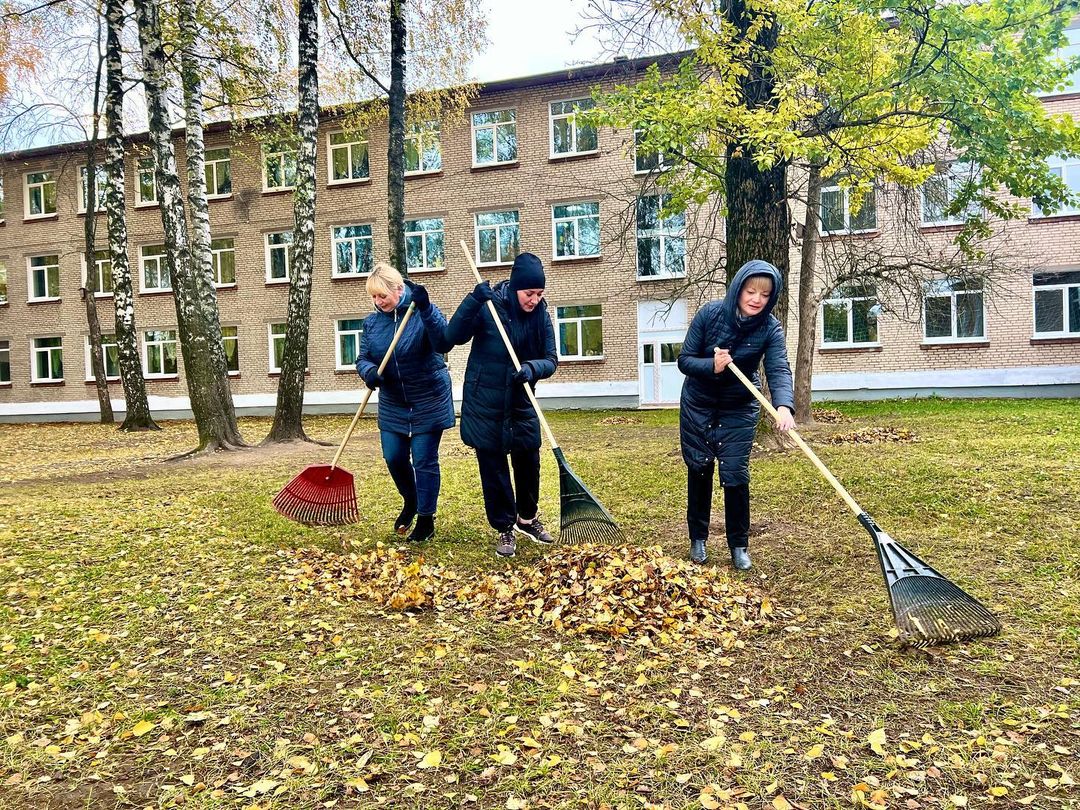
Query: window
column 1068, row 169
column 47, row 362
column 352, row 250
column 581, row 331
column 223, row 259
column 849, row 317
column 110, row 353
column 940, row 192
column 568, row 137
column 3, row 284
column 647, row 160
column 348, row 342
column 5, row 362
column 1057, row 304
column 1, row 197
column 145, row 187
column 838, row 214
column 348, row 157
column 159, row 352
column 44, row 281
column 231, row 342
column 497, row 237
column 102, row 278
column 424, row 245
column 155, row 272
column 40, row 194
column 278, row 256
column 279, row 168
column 953, row 311
column 423, row 149
column 100, row 185
column 1070, row 50
column 661, row 240
column 576, row 230
column 277, row 346
column 218, row 172
column 494, row 137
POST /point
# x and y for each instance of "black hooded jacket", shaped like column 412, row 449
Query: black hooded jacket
column 718, row 415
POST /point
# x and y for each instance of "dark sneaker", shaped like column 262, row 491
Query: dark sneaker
column 505, row 545
column 740, row 558
column 697, row 552
column 534, row 530
column 423, row 530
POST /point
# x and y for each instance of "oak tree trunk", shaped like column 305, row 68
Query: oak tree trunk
column 395, row 156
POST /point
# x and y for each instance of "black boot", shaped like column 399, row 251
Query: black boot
column 697, row 552
column 405, row 519
column 740, row 558
column 423, row 530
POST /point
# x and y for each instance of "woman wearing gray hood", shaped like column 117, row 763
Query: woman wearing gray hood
column 718, row 416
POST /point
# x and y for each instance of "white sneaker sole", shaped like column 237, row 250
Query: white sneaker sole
column 538, row 542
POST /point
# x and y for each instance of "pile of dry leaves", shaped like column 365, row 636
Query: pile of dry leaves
column 637, row 595
column 870, row 435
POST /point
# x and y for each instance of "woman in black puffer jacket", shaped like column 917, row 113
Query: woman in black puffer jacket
column 718, row 416
column 496, row 416
column 416, row 401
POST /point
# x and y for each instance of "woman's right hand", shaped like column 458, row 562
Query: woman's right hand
column 482, row 292
column 721, row 359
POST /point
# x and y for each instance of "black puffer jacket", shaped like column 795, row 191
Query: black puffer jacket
column 718, row 415
column 495, row 412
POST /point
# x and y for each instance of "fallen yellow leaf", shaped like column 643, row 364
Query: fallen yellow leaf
column 142, row 727
column 432, row 759
column 877, row 741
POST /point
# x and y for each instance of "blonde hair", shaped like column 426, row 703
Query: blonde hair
column 384, row 280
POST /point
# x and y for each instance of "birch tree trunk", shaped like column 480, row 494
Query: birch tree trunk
column 211, row 416
column 804, row 351
column 288, row 415
column 202, row 270
column 137, row 409
column 395, row 158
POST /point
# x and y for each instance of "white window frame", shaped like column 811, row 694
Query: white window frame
column 848, row 301
column 348, row 147
column 335, row 240
column 5, row 349
column 159, row 375
column 421, row 132
column 101, row 180
column 494, row 127
column 162, row 269
column 211, row 167
column 270, row 338
column 4, row 293
column 559, row 321
column 104, row 357
column 477, row 227
column 143, row 165
column 423, row 235
column 339, row 364
column 952, row 296
column 283, row 155
column 35, row 351
column 215, row 261
column 288, row 256
column 1067, row 51
column 663, row 235
column 1062, row 288
column 30, row 270
column 98, row 263
column 553, row 117
column 577, row 231
column 952, row 178
column 1064, row 166
column 662, row 163
column 236, row 339
column 846, row 192
column 40, row 187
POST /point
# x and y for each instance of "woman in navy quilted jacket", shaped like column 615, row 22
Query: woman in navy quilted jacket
column 415, row 398
column 718, row 416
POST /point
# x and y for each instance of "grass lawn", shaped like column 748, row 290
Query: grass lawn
column 156, row 653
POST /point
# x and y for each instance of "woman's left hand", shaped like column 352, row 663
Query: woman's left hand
column 785, row 420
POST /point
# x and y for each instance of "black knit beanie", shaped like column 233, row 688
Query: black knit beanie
column 527, row 273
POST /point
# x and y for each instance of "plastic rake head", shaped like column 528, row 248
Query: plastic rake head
column 320, row 495
column 932, row 610
column 583, row 519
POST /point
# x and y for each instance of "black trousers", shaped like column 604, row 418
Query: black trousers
column 503, row 502
column 699, row 489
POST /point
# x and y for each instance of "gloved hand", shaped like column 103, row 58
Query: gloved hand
column 420, row 295
column 525, row 374
column 373, row 380
column 482, row 292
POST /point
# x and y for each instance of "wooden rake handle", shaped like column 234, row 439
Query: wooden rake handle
column 509, row 347
column 367, row 393
column 852, row 505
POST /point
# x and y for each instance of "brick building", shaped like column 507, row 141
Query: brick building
column 516, row 172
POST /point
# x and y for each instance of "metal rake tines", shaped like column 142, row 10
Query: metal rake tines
column 932, row 610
